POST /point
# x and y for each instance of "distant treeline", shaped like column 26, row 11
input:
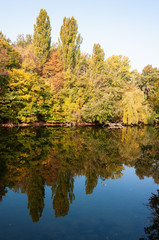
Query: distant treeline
column 59, row 83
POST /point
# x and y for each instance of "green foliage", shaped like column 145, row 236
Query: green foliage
column 42, row 36
column 117, row 69
column 135, row 109
column 149, row 84
column 97, row 59
column 9, row 58
column 149, row 77
column 69, row 45
column 100, row 108
column 27, row 98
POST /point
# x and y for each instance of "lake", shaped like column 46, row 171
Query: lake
column 85, row 183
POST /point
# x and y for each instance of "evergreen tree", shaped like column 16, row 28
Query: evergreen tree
column 42, row 36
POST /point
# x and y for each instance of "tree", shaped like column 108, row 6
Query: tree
column 154, row 99
column 69, row 46
column 42, row 36
column 117, row 69
column 53, row 70
column 9, row 58
column 149, row 84
column 149, row 77
column 135, row 109
column 97, row 59
column 27, row 99
column 28, row 59
column 22, row 41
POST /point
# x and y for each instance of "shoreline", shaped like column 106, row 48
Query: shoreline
column 44, row 124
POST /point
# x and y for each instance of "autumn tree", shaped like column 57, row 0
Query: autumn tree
column 149, row 84
column 28, row 59
column 117, row 69
column 154, row 99
column 97, row 59
column 53, row 70
column 42, row 36
column 23, row 41
column 69, row 45
column 149, row 77
column 27, row 99
column 9, row 58
column 108, row 79
column 135, row 109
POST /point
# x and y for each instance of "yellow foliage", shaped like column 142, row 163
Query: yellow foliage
column 135, row 109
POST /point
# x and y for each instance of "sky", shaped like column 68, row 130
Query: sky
column 126, row 27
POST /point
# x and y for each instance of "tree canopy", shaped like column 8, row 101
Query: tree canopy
column 59, row 83
column 42, row 36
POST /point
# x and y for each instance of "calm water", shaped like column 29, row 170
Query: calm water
column 85, row 183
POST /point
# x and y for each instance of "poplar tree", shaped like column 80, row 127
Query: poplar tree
column 97, row 59
column 42, row 36
column 70, row 43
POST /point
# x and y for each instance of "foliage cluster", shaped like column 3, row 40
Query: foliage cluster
column 61, row 84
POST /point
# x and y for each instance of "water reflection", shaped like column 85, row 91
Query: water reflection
column 32, row 158
column 152, row 231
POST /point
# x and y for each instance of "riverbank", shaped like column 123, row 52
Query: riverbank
column 43, row 124
column 74, row 124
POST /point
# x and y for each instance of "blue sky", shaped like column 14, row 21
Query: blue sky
column 127, row 27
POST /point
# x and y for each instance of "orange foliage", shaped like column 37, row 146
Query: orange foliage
column 53, row 70
column 49, row 169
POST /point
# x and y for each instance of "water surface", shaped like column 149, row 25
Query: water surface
column 84, row 183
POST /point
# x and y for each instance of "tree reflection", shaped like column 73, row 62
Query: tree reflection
column 152, row 231
column 3, row 191
column 62, row 194
column 54, row 156
column 35, row 192
column 91, row 181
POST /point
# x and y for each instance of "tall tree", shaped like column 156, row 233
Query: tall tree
column 42, row 36
column 97, row 59
column 70, row 43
